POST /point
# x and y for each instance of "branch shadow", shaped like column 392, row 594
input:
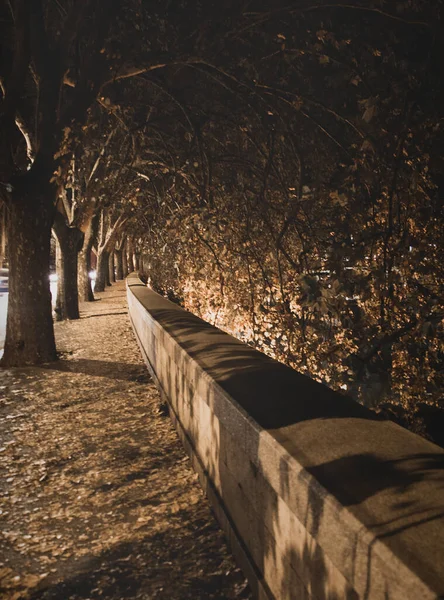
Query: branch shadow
column 149, row 567
column 354, row 479
column 263, row 387
column 102, row 368
column 110, row 314
column 345, row 451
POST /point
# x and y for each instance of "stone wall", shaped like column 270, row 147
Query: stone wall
column 318, row 497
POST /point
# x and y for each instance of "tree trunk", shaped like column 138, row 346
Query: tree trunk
column 101, row 271
column 118, row 254
column 129, row 254
column 111, row 274
column 30, row 330
column 3, row 221
column 84, row 268
column 124, row 262
column 69, row 240
column 130, row 260
column 107, row 279
column 136, row 261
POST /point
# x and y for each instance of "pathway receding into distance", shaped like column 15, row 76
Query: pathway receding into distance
column 97, row 496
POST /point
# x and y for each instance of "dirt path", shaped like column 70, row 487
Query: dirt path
column 97, row 499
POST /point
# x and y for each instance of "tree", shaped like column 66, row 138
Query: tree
column 69, row 243
column 44, row 42
column 80, row 201
column 110, row 227
column 312, row 222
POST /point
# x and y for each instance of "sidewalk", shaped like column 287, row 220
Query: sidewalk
column 97, row 498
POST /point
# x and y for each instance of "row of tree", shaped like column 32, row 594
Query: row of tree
column 281, row 168
column 58, row 59
column 311, row 224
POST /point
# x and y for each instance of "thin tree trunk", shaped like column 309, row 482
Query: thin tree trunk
column 3, row 237
column 84, row 268
column 111, row 274
column 30, row 329
column 109, row 231
column 130, row 255
column 101, row 271
column 136, row 261
column 107, row 279
column 119, row 263
column 124, row 262
column 68, row 242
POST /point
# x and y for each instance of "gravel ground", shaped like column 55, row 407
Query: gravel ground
column 97, row 497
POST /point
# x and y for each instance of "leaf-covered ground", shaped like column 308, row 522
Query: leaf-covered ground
column 98, row 499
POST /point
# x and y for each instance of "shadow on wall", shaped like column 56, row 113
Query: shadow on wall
column 267, row 390
column 360, row 475
column 310, row 548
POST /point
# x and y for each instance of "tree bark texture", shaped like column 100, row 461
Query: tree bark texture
column 102, row 272
column 119, row 263
column 69, row 240
column 130, row 255
column 111, row 274
column 107, row 279
column 130, row 262
column 29, row 330
column 124, row 262
column 3, row 236
column 84, row 265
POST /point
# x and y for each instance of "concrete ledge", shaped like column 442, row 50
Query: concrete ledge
column 318, row 497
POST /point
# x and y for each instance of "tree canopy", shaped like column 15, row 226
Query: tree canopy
column 278, row 166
